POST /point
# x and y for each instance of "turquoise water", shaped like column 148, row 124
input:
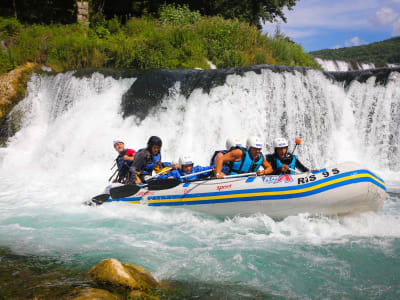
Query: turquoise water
column 298, row 257
column 62, row 155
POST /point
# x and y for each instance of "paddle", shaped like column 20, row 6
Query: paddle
column 124, row 191
column 164, row 184
column 98, row 200
column 295, row 172
column 131, row 189
column 241, row 175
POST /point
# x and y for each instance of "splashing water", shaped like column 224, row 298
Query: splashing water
column 63, row 152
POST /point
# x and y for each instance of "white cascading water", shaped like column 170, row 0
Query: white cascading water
column 332, row 65
column 63, row 154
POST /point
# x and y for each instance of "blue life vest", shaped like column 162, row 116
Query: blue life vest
column 121, row 163
column 215, row 154
column 279, row 164
column 225, row 166
column 246, row 164
column 155, row 160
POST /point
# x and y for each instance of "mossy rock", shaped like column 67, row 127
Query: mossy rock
column 140, row 295
column 95, row 294
column 113, row 275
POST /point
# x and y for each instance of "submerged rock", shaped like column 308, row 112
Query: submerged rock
column 112, row 274
column 95, row 294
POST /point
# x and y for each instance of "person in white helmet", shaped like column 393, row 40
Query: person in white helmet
column 244, row 160
column 124, row 159
column 186, row 167
column 283, row 162
column 231, row 144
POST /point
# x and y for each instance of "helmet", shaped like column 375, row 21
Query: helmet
column 116, row 141
column 185, row 160
column 232, row 142
column 280, row 143
column 154, row 140
column 254, row 142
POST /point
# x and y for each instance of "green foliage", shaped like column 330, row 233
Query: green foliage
column 286, row 52
column 387, row 51
column 9, row 27
column 149, row 43
column 178, row 15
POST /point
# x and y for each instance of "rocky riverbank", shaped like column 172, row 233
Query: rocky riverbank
column 13, row 86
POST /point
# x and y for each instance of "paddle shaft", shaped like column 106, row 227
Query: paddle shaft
column 197, row 173
column 159, row 174
column 295, row 172
column 241, row 175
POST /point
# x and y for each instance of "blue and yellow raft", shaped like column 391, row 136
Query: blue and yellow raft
column 343, row 189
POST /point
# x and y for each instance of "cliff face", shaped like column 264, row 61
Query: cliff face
column 12, row 87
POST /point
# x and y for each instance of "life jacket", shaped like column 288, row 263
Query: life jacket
column 121, row 162
column 226, row 167
column 215, row 154
column 123, row 166
column 179, row 173
column 154, row 162
column 246, row 164
column 279, row 164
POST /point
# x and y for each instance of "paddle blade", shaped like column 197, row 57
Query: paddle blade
column 124, row 191
column 163, row 184
column 99, row 199
column 298, row 141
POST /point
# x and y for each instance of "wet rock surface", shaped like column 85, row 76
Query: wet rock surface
column 113, row 275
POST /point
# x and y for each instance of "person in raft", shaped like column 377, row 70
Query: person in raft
column 283, row 162
column 186, row 167
column 124, row 160
column 146, row 161
column 231, row 144
column 245, row 160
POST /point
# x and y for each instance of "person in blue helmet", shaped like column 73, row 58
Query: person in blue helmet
column 146, row 161
column 245, row 160
column 231, row 144
column 124, row 160
column 283, row 162
column 186, row 167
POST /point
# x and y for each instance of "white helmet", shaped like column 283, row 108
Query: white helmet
column 116, row 141
column 232, row 142
column 280, row 143
column 185, row 160
column 254, row 142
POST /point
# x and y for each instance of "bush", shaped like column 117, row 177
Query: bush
column 9, row 27
column 179, row 39
column 178, row 15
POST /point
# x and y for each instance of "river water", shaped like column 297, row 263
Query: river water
column 63, row 153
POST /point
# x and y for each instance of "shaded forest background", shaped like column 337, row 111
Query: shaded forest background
column 64, row 11
column 387, row 51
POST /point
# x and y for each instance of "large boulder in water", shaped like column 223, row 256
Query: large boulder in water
column 112, row 274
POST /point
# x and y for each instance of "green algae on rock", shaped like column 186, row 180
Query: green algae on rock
column 113, row 275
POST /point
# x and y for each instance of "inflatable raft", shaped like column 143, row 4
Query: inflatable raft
column 343, row 189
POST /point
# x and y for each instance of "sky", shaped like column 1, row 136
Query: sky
column 329, row 24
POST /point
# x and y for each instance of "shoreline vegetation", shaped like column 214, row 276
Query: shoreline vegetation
column 381, row 53
column 178, row 39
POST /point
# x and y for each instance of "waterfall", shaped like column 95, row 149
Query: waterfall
column 334, row 65
column 68, row 122
column 59, row 153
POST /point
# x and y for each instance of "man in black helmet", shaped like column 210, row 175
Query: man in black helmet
column 146, row 160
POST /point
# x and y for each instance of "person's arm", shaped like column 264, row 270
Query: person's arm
column 129, row 155
column 267, row 168
column 138, row 164
column 301, row 167
column 230, row 156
